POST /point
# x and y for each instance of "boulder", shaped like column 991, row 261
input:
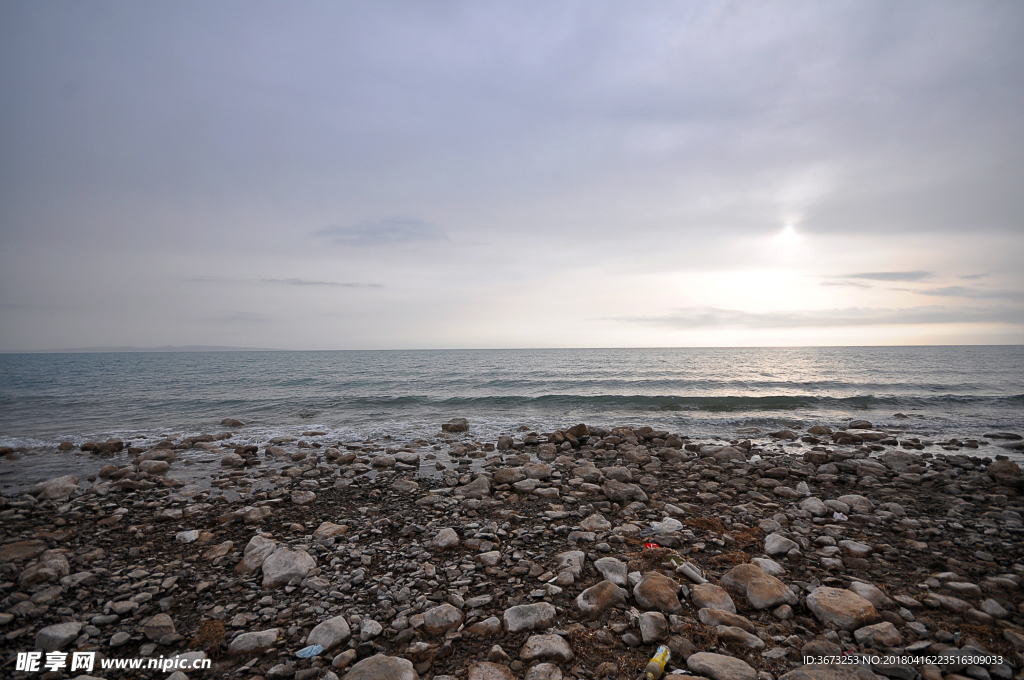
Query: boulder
column 58, row 488
column 485, row 670
column 252, row 643
column 720, row 667
column 283, row 565
column 655, row 591
column 57, row 636
column 761, row 590
column 546, row 648
column 844, row 609
column 529, row 617
column 456, row 425
column 381, row 667
column 330, row 633
column 478, row 488
column 612, row 570
column 710, row 596
column 442, row 618
column 158, row 626
column 595, row 600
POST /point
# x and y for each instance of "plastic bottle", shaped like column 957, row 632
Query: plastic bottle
column 656, row 666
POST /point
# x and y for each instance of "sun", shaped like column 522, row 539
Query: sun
column 788, row 236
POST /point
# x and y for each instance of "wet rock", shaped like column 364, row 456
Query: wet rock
column 529, row 617
column 283, row 565
column 456, row 425
column 878, row 636
column 546, row 648
column 762, row 590
column 58, row 488
column 844, row 609
column 330, row 633
column 478, row 488
column 381, row 667
column 57, row 636
column 597, row 599
column 720, row 667
column 439, row 620
column 252, row 643
column 154, row 467
column 709, row 596
column 658, row 592
column 485, row 670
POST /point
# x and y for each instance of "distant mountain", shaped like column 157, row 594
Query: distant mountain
column 165, row 348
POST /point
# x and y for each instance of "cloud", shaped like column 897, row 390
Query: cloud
column 284, row 282
column 854, row 284
column 704, row 317
column 384, row 232
column 890, row 276
column 236, row 317
column 960, row 291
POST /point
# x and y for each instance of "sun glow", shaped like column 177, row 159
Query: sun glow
column 788, row 236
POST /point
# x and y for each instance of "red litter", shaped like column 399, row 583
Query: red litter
column 651, row 545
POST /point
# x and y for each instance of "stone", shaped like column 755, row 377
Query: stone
column 442, row 618
column 51, row 566
column 855, row 548
column 330, row 633
column 717, row 617
column 489, row 627
column 283, row 565
column 857, row 503
column 252, row 643
column 255, row 553
column 478, row 488
column 57, row 636
column 596, row 522
column 595, row 600
column 543, row 671
column 653, row 627
column 739, row 636
column 302, row 497
column 612, row 570
column 509, row 475
column 709, row 596
column 655, row 591
column 456, row 425
column 58, row 488
column 329, row 530
column 446, row 539
column 770, row 567
column 843, row 608
column 777, row 544
column 720, row 667
column 485, row 670
column 381, row 667
column 872, row 594
column 830, row 671
column 154, row 467
column 762, row 590
column 620, row 492
column 571, row 561
column 878, row 636
column 529, row 617
column 546, row 648
column 22, row 550
column 158, row 627
column 232, row 422
column 814, row 506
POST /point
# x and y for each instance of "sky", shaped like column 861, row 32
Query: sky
column 386, row 175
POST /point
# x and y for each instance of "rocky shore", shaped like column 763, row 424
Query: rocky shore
column 569, row 554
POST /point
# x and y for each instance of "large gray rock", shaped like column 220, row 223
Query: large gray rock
column 250, row 643
column 546, row 648
column 478, row 488
column 709, row 596
column 571, row 561
column 283, row 565
column 620, row 492
column 653, row 627
column 777, row 544
column 845, row 609
column 762, row 590
column 256, row 551
column 831, row 672
column 158, row 626
column 330, row 633
column 878, row 636
column 58, row 488
column 598, row 598
column 442, row 618
column 485, row 670
column 51, row 566
column 529, row 617
column 446, row 539
column 612, row 570
column 57, row 636
column 720, row 667
column 655, row 591
column 380, row 667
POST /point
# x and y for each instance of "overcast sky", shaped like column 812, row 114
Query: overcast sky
column 551, row 174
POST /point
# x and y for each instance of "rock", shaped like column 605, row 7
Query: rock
column 256, row 551
column 509, row 475
column 595, row 600
column 653, row 627
column 777, row 544
column 720, row 667
column 620, row 492
column 232, row 460
column 154, row 467
column 657, row 591
column 717, row 617
column 380, row 667
column 595, row 522
column 708, row 596
column 739, row 636
column 330, row 633
column 762, row 590
column 770, row 567
column 878, row 636
column 283, row 565
column 232, row 422
column 446, row 539
column 252, row 643
column 441, row 619
column 543, row 671
column 485, row 670
column 303, row 497
column 855, row 548
column 51, row 566
column 612, row 570
column 529, row 617
column 22, row 550
column 830, row 671
column 57, row 636
column 860, row 425
column 329, row 530
column 1004, row 472
column 456, row 425
column 478, row 488
column 814, row 506
column 571, row 561
column 58, row 488
column 858, row 503
column 546, row 648
column 872, row 594
column 158, row 627
column 845, row 609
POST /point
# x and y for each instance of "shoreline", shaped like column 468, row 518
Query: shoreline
column 524, row 557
